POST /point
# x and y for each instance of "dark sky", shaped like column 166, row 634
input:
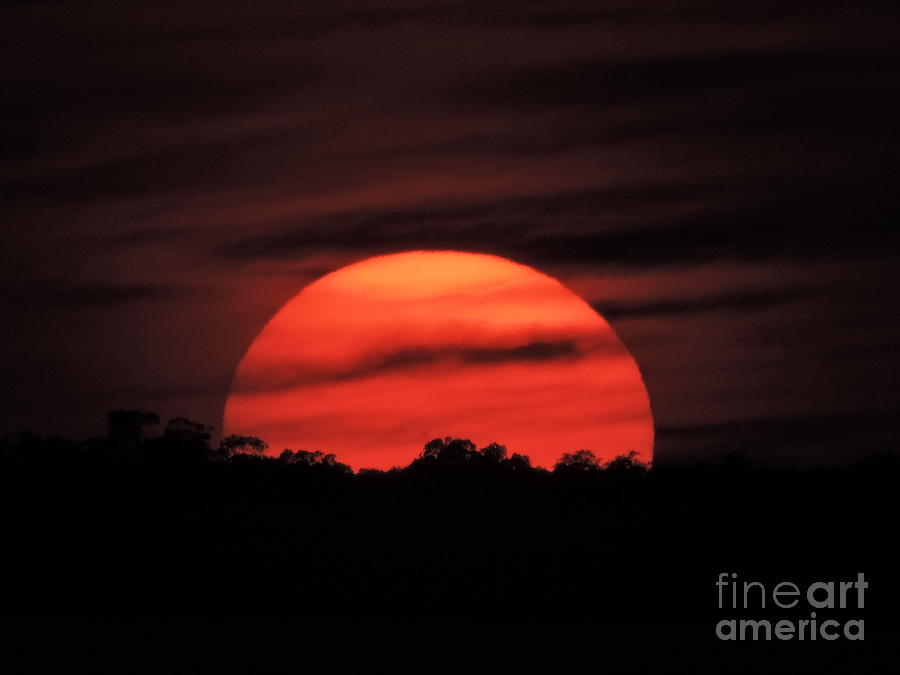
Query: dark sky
column 719, row 179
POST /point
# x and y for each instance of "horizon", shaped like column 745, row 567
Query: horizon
column 212, row 441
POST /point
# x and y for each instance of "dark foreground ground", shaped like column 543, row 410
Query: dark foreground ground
column 138, row 560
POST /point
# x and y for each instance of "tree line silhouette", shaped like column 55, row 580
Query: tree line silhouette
column 135, row 435
column 156, row 520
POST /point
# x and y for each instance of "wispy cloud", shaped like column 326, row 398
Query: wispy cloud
column 288, row 375
column 63, row 294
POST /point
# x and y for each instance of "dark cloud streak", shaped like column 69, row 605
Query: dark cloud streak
column 64, row 294
column 802, row 439
column 801, row 222
column 737, row 301
column 411, row 358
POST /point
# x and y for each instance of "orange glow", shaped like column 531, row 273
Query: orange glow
column 372, row 361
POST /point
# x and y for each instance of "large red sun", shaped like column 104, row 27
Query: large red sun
column 372, row 361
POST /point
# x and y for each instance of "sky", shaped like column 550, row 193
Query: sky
column 717, row 179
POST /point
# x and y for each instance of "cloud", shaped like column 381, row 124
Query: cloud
column 93, row 295
column 287, row 376
column 605, row 82
column 548, row 226
column 805, row 439
column 799, row 222
column 736, row 301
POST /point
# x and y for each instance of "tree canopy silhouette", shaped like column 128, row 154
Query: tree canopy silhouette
column 171, row 523
column 130, row 427
column 235, row 443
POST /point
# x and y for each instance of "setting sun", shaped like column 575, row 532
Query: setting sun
column 375, row 359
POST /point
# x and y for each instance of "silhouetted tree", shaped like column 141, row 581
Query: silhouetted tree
column 447, row 452
column 235, row 443
column 184, row 427
column 578, row 461
column 493, row 453
column 461, row 455
column 312, row 458
column 184, row 438
column 627, row 463
column 129, row 427
column 517, row 462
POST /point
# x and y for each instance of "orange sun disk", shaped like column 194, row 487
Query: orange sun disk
column 375, row 359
